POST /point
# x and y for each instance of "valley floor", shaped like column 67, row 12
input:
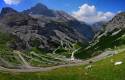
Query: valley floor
column 100, row 70
column 76, row 63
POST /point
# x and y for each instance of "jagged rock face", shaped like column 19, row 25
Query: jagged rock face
column 7, row 10
column 38, row 33
column 98, row 26
column 118, row 22
column 111, row 35
column 83, row 28
column 38, row 12
column 40, row 9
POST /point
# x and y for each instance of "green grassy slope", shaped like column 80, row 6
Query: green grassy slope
column 34, row 56
column 6, row 54
column 110, row 40
column 101, row 70
column 10, row 59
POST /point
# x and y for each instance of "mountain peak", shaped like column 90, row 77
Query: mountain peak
column 121, row 14
column 40, row 9
column 40, row 6
column 7, row 10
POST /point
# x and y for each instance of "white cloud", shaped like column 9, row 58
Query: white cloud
column 89, row 14
column 12, row 2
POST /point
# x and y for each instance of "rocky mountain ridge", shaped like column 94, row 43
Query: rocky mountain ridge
column 111, row 36
column 43, row 32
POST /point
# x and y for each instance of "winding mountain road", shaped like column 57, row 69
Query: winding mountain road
column 40, row 69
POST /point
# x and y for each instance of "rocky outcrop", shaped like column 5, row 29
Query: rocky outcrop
column 112, row 34
column 40, row 33
column 39, row 11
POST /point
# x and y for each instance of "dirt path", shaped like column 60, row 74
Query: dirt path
column 39, row 69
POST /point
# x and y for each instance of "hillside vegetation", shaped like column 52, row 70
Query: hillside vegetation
column 12, row 56
column 101, row 70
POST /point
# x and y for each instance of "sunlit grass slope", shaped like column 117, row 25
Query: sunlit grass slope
column 102, row 70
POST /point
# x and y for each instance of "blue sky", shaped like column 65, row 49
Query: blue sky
column 101, row 5
column 72, row 6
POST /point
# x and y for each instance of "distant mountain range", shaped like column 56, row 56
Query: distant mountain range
column 111, row 36
column 98, row 26
column 42, row 10
column 41, row 36
column 45, row 26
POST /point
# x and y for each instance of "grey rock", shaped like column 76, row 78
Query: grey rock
column 37, row 32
